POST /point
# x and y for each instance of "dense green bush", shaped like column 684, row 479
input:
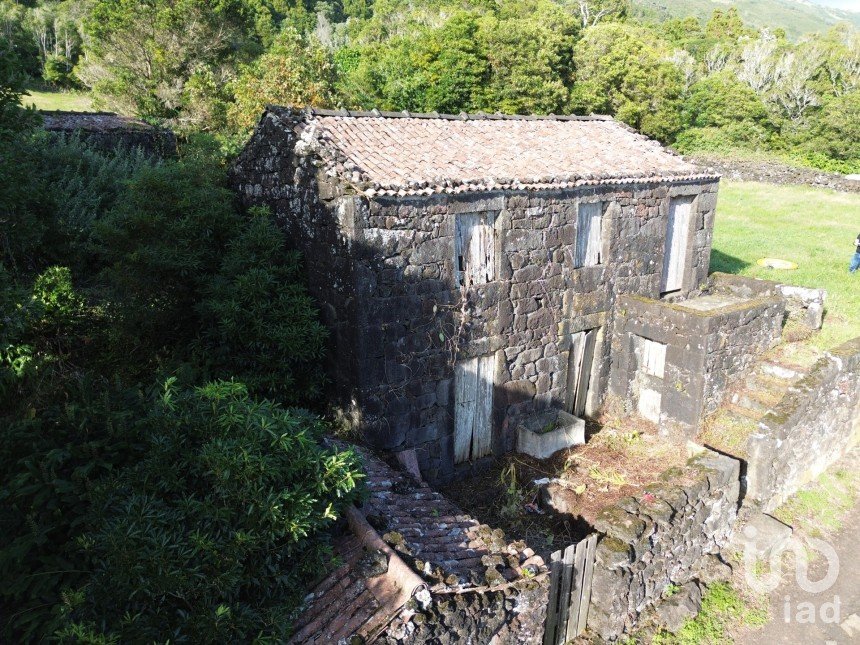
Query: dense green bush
column 115, row 271
column 210, row 536
column 258, row 322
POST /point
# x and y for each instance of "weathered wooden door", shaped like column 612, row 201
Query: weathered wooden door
column 579, row 368
column 473, row 407
column 677, row 237
column 648, row 381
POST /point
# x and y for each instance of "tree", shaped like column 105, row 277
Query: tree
column 592, row 12
column 794, row 72
column 621, row 70
column 758, row 63
column 529, row 47
column 725, row 25
column 142, row 54
column 721, row 100
column 296, row 70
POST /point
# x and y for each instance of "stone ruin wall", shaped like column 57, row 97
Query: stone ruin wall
column 513, row 613
column 671, row 534
column 415, row 325
column 812, row 427
column 382, row 271
column 706, row 351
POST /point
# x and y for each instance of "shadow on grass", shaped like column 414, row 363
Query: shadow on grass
column 727, row 263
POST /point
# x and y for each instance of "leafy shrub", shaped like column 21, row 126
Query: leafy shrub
column 259, row 323
column 722, row 100
column 57, row 71
column 210, row 536
column 51, row 457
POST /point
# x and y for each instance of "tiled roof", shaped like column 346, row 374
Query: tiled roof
column 449, row 551
column 402, row 153
column 91, row 121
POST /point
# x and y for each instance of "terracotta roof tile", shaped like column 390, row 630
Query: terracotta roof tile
column 400, row 154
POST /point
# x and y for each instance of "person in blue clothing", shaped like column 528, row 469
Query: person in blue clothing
column 855, row 261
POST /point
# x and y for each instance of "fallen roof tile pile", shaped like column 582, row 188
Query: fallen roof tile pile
column 450, row 551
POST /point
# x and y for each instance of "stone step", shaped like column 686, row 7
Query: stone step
column 748, row 413
column 764, row 391
column 748, row 401
column 729, row 432
column 761, row 378
column 781, row 371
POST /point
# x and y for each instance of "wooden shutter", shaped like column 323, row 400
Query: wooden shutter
column 482, row 431
column 581, row 360
column 465, row 398
column 589, row 238
column 475, row 248
column 585, row 372
column 675, row 253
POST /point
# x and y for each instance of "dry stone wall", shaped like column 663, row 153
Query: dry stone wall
column 668, row 535
column 815, row 424
column 383, row 270
column 510, row 614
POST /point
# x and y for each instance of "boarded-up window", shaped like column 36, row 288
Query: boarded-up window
column 579, row 370
column 589, row 235
column 475, row 248
column 473, row 406
column 677, row 237
column 648, row 380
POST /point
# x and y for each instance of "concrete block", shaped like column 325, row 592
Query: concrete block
column 545, row 434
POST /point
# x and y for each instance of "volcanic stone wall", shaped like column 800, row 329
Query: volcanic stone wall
column 816, row 423
column 663, row 537
column 383, row 270
column 513, row 613
column 705, row 350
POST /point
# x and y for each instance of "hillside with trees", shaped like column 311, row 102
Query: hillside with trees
column 796, row 17
column 714, row 84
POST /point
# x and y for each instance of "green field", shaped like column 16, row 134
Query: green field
column 813, row 227
column 796, row 18
column 71, row 101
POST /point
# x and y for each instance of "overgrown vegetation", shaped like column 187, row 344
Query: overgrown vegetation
column 703, row 85
column 818, row 508
column 130, row 510
column 723, row 611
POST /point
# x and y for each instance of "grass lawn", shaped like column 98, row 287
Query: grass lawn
column 71, row 101
column 813, row 227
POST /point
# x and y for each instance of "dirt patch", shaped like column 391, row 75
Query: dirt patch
column 620, row 458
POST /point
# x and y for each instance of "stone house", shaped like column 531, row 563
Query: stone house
column 470, row 267
column 107, row 131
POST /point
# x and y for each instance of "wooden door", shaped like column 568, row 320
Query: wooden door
column 579, row 369
column 677, row 238
column 473, row 407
